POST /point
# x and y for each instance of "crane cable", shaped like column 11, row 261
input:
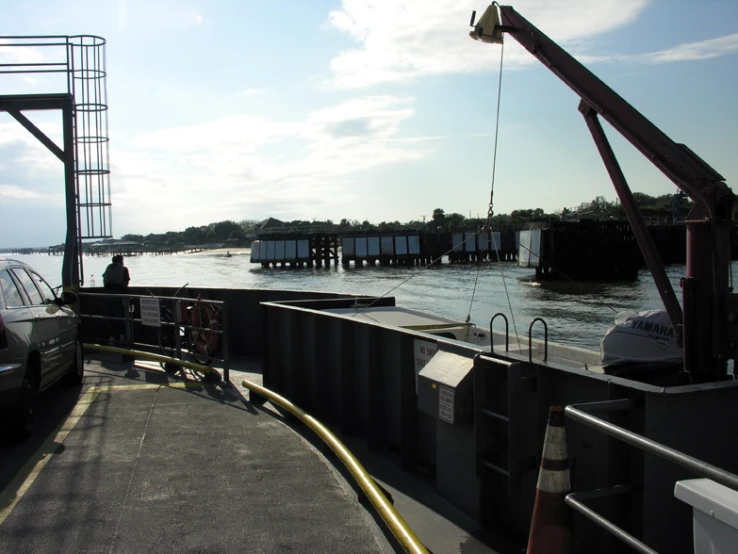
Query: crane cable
column 490, row 209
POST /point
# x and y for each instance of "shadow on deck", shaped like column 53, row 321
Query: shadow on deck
column 139, row 460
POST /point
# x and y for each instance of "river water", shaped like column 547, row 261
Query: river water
column 576, row 313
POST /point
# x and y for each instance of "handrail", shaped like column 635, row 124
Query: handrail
column 207, row 370
column 530, row 339
column 400, row 529
column 492, row 335
column 609, row 526
column 578, row 412
column 128, row 295
column 690, row 463
column 127, row 298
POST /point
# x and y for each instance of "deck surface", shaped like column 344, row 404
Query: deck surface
column 137, row 460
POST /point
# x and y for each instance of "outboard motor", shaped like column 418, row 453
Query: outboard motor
column 641, row 345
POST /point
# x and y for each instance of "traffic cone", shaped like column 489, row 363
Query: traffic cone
column 550, row 529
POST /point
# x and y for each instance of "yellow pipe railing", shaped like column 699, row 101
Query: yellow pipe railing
column 391, row 517
column 207, row 370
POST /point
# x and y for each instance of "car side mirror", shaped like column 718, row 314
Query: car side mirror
column 67, row 298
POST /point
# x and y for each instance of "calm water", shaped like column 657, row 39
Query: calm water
column 577, row 314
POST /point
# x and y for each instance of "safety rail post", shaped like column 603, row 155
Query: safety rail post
column 224, row 339
column 176, row 330
column 128, row 331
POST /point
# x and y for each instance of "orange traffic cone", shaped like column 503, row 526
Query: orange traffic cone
column 550, row 530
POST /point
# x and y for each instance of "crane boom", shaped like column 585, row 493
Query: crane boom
column 706, row 323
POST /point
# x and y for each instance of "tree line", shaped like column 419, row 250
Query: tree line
column 244, row 231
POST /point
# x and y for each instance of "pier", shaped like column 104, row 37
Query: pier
column 578, row 251
column 124, row 248
column 372, row 248
column 596, row 250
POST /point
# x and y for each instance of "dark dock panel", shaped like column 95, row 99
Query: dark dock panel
column 589, row 251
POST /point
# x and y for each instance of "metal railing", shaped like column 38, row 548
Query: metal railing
column 580, row 413
column 164, row 317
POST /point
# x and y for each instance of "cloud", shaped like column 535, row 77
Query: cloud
column 402, row 40
column 712, row 48
column 13, row 134
column 693, row 51
column 241, row 165
column 13, row 192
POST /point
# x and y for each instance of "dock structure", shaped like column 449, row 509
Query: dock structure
column 387, row 249
column 296, row 251
column 581, row 251
column 595, row 250
column 22, row 251
column 484, row 245
column 127, row 249
column 670, row 242
column 383, row 248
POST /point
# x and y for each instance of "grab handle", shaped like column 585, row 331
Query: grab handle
column 492, row 335
column 545, row 340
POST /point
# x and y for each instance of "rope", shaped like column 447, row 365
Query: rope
column 474, row 290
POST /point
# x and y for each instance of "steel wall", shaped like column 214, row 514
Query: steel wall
column 361, row 377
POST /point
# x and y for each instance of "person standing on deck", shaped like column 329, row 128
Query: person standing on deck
column 115, row 281
column 116, row 276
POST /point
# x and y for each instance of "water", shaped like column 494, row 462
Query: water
column 576, row 313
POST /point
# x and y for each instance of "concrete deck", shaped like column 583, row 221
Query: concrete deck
column 137, row 460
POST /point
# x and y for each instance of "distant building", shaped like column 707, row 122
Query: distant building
column 268, row 225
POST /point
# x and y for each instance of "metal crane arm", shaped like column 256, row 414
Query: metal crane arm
column 708, row 251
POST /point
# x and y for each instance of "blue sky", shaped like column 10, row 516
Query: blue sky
column 378, row 110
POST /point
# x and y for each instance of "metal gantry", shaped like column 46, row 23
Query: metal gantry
column 66, row 73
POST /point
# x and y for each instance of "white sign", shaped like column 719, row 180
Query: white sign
column 446, row 404
column 424, row 351
column 150, row 314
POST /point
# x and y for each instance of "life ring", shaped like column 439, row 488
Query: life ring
column 204, row 342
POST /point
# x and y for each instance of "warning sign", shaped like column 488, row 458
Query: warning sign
column 446, row 404
column 150, row 314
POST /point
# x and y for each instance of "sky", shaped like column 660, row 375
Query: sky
column 379, row 110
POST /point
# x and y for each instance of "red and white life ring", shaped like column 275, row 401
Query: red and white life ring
column 205, row 342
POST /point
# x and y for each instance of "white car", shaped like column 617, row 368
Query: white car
column 40, row 343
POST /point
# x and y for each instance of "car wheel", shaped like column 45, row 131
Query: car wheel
column 77, row 370
column 25, row 409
